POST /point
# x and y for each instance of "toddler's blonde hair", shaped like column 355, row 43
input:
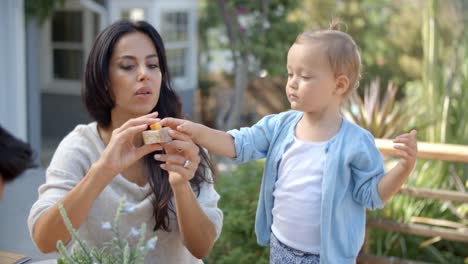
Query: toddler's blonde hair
column 341, row 51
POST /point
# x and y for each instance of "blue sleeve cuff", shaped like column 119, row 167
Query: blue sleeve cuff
column 237, row 144
column 377, row 202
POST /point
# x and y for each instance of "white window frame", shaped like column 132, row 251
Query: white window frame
column 189, row 81
column 50, row 84
column 173, row 45
column 117, row 6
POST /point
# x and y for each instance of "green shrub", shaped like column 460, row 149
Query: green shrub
column 239, row 191
column 118, row 250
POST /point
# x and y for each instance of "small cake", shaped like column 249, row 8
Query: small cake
column 157, row 134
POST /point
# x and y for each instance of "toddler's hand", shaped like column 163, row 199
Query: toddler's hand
column 185, row 126
column 408, row 148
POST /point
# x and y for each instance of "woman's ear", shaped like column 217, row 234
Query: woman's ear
column 342, row 84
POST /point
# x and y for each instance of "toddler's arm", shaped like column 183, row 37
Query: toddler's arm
column 394, row 179
column 215, row 141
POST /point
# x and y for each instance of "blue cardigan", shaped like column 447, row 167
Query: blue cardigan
column 353, row 169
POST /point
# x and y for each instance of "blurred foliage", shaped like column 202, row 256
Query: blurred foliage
column 41, row 9
column 239, row 195
column 442, row 94
column 383, row 117
column 402, row 208
column 421, row 47
column 386, row 31
column 265, row 31
column 126, row 249
column 255, row 35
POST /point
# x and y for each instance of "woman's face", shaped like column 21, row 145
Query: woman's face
column 135, row 76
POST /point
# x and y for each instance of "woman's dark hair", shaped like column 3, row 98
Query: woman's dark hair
column 16, row 156
column 96, row 95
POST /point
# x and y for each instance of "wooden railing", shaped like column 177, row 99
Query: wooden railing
column 436, row 228
column 434, row 151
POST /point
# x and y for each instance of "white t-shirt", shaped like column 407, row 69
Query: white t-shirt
column 73, row 158
column 298, row 192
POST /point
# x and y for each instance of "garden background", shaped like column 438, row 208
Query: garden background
column 415, row 75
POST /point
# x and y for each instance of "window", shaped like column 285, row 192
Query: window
column 176, row 61
column 134, row 14
column 174, row 31
column 66, row 41
column 67, row 45
column 174, row 26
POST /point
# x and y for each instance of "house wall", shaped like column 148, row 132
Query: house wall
column 188, row 102
column 61, row 113
column 12, row 71
column 33, row 89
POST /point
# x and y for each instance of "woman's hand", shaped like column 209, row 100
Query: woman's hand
column 181, row 158
column 121, row 151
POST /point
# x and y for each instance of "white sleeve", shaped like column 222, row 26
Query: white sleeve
column 69, row 164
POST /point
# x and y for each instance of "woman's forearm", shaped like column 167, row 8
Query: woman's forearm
column 50, row 228
column 198, row 232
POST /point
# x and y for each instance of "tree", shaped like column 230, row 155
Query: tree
column 258, row 33
column 387, row 33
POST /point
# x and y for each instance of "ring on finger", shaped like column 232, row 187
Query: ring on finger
column 186, row 163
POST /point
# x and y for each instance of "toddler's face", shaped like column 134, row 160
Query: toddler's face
column 311, row 81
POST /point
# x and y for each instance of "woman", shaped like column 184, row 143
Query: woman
column 126, row 88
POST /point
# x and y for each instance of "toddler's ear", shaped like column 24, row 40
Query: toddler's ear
column 342, row 84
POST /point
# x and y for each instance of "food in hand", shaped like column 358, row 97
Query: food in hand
column 155, row 126
column 157, row 134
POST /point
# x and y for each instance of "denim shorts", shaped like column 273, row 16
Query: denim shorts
column 282, row 254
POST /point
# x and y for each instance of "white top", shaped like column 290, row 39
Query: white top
column 298, row 192
column 71, row 161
